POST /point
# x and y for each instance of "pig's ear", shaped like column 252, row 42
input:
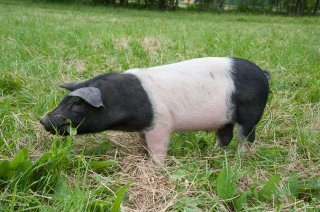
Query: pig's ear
column 91, row 95
column 70, row 86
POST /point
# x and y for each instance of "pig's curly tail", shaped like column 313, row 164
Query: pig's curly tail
column 268, row 75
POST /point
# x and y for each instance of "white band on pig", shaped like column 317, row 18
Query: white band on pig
column 91, row 95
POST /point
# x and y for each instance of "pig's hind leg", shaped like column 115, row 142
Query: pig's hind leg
column 247, row 119
column 224, row 135
column 245, row 134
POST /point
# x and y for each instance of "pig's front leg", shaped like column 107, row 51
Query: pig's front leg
column 157, row 141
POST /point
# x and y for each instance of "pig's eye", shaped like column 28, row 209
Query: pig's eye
column 76, row 108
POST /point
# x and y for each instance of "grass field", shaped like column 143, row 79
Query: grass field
column 42, row 45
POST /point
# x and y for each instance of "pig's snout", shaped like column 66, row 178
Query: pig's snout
column 45, row 122
column 54, row 124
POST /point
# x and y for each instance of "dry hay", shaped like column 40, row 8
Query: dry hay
column 130, row 143
column 151, row 189
column 41, row 135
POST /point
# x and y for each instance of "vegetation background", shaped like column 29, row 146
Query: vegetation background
column 43, row 44
column 289, row 7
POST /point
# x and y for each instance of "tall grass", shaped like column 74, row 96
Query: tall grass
column 42, row 45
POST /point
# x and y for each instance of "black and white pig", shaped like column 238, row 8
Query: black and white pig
column 199, row 94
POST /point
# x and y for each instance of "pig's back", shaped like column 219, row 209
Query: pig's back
column 190, row 95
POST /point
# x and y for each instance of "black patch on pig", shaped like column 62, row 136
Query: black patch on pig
column 127, row 106
column 251, row 93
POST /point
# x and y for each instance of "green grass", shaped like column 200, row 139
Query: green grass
column 42, row 45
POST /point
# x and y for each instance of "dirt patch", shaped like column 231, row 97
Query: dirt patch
column 78, row 64
column 315, row 120
column 96, row 43
column 45, row 13
column 244, row 183
column 121, row 43
column 113, row 65
column 114, row 20
column 151, row 44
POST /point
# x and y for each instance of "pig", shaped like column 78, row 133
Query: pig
column 203, row 94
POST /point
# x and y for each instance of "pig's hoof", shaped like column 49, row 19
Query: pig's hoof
column 158, row 160
column 245, row 148
column 217, row 146
column 158, row 163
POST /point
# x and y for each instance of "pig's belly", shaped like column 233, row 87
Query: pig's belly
column 186, row 111
column 197, row 105
column 199, row 117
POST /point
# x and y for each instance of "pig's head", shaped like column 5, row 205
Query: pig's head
column 82, row 109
